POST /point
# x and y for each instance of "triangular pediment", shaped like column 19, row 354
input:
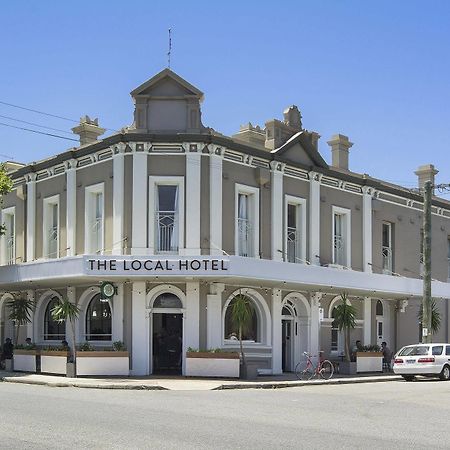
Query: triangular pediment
column 167, row 84
column 299, row 149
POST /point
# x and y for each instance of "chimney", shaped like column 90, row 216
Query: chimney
column 426, row 173
column 339, row 150
column 88, row 130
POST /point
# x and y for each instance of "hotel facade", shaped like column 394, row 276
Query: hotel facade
column 180, row 219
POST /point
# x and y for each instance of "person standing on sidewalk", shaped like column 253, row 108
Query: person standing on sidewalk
column 387, row 355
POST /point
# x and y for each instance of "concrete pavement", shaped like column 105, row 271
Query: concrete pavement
column 186, row 383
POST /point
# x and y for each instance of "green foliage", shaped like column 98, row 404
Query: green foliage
column 20, row 311
column 5, row 187
column 86, row 347
column 435, row 316
column 54, row 348
column 345, row 320
column 65, row 310
column 210, row 350
column 25, row 347
column 241, row 317
column 119, row 346
column 370, row 348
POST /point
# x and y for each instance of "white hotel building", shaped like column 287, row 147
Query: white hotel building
column 181, row 218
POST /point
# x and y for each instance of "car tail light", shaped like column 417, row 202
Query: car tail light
column 425, row 360
column 398, row 361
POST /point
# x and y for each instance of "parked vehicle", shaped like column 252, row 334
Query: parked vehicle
column 429, row 360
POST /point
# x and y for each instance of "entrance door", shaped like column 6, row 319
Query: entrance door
column 167, row 343
column 286, row 361
column 380, row 331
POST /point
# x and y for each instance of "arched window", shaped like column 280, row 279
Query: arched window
column 232, row 331
column 167, row 300
column 53, row 330
column 379, row 308
column 98, row 320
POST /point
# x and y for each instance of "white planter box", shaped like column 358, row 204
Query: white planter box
column 54, row 362
column 206, row 364
column 103, row 363
column 24, row 361
column 369, row 362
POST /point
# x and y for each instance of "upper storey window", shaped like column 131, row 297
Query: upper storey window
column 247, row 221
column 9, row 240
column 387, row 250
column 51, row 227
column 341, row 236
column 95, row 219
column 166, row 214
column 295, row 230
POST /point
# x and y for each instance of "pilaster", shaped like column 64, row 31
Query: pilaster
column 140, row 207
column 30, row 325
column 192, row 317
column 71, row 207
column 31, row 216
column 193, row 184
column 214, row 332
column 277, row 339
column 118, row 199
column 71, row 296
column 277, row 210
column 140, row 351
column 215, row 200
column 315, row 323
column 367, row 339
column 367, row 228
column 314, row 217
column 117, row 310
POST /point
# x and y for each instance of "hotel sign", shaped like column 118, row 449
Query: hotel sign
column 155, row 267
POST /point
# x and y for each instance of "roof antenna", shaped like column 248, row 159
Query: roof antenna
column 170, row 48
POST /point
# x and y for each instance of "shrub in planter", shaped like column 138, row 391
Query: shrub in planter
column 212, row 363
column 54, row 359
column 25, row 358
column 112, row 361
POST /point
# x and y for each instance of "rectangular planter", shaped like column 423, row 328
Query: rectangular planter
column 54, row 362
column 25, row 360
column 207, row 364
column 103, row 363
column 369, row 362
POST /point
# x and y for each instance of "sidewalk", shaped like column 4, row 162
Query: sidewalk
column 186, row 383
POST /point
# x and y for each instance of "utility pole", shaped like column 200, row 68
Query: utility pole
column 426, row 301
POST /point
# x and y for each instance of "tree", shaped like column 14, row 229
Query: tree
column 63, row 311
column 241, row 317
column 435, row 317
column 5, row 187
column 345, row 320
column 20, row 310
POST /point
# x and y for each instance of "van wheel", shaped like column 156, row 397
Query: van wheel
column 408, row 377
column 445, row 374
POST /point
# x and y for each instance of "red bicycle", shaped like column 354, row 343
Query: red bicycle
column 305, row 370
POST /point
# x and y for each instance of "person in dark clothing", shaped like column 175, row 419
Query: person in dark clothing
column 8, row 349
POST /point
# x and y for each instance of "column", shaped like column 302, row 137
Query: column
column 314, row 341
column 140, row 207
column 215, row 201
column 192, row 316
column 139, row 330
column 367, row 338
column 31, row 215
column 118, row 200
column 367, row 229
column 117, row 312
column 314, row 217
column 214, row 332
column 277, row 202
column 71, row 207
column 71, row 296
column 30, row 325
column 277, row 339
column 193, row 183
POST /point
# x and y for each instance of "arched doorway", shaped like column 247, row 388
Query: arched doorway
column 167, row 334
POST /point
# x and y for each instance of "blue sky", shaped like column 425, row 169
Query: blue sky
column 377, row 71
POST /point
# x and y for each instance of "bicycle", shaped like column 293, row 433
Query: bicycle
column 305, row 370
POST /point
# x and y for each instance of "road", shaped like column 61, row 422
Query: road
column 377, row 415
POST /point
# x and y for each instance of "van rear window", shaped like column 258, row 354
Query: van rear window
column 414, row 351
column 437, row 350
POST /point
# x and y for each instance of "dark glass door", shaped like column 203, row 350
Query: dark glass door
column 167, row 343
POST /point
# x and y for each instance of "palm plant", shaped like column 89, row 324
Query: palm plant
column 63, row 311
column 241, row 317
column 20, row 312
column 435, row 316
column 345, row 320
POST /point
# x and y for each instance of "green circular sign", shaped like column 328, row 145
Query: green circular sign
column 107, row 289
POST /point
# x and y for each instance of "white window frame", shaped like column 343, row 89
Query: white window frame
column 47, row 217
column 11, row 211
column 387, row 271
column 153, row 183
column 89, row 205
column 300, row 203
column 348, row 235
column 253, row 193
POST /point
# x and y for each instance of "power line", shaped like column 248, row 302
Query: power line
column 35, row 124
column 38, row 132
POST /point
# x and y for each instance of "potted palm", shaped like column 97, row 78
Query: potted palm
column 65, row 311
column 241, row 317
column 345, row 320
column 20, row 312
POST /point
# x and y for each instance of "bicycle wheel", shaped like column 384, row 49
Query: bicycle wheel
column 326, row 370
column 304, row 370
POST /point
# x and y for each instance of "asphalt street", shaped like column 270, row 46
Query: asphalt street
column 375, row 415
